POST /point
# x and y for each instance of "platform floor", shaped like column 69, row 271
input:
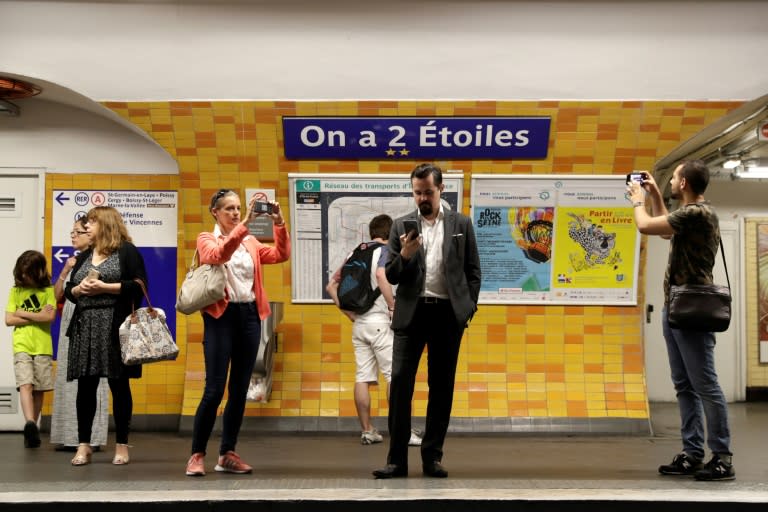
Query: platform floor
column 336, row 469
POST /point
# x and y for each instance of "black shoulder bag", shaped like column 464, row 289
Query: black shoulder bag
column 701, row 307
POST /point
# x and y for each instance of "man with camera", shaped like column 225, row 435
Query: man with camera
column 694, row 232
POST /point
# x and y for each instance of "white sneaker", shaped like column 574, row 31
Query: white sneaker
column 415, row 439
column 370, row 437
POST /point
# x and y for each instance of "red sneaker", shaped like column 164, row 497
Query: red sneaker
column 195, row 465
column 230, row 463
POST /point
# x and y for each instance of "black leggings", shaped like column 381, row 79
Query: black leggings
column 122, row 407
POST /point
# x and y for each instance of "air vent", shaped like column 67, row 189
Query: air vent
column 8, row 400
column 10, row 206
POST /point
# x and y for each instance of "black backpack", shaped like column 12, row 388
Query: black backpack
column 355, row 292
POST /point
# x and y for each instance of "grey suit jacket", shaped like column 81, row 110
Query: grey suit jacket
column 462, row 270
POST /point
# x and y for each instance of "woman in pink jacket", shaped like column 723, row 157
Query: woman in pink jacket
column 232, row 326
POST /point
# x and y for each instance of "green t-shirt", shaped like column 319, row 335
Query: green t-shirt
column 33, row 338
column 694, row 246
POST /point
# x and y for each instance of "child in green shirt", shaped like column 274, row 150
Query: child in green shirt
column 30, row 310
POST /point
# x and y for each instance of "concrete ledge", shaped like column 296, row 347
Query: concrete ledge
column 320, row 425
column 576, row 426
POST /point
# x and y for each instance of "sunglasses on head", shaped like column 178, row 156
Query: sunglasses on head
column 221, row 193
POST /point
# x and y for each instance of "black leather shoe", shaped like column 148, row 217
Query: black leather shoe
column 391, row 471
column 434, row 469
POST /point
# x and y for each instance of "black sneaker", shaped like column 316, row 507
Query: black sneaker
column 31, row 435
column 716, row 469
column 682, row 464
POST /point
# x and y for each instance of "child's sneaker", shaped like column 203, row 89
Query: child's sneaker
column 415, row 439
column 31, row 435
column 370, row 437
column 716, row 469
column 682, row 464
column 230, row 463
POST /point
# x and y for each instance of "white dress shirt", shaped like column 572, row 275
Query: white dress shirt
column 240, row 270
column 432, row 238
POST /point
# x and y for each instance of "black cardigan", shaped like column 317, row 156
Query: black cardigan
column 131, row 267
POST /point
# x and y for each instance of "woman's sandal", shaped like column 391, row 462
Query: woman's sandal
column 83, row 455
column 121, row 459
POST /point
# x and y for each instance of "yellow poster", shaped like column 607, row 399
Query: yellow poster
column 594, row 247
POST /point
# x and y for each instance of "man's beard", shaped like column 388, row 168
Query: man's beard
column 426, row 209
column 675, row 195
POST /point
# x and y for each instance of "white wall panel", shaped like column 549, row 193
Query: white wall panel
column 394, row 49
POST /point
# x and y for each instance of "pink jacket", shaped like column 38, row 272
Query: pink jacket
column 217, row 251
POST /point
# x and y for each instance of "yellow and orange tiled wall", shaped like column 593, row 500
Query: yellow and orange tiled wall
column 516, row 361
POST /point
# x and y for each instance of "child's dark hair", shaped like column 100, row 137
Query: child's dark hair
column 31, row 271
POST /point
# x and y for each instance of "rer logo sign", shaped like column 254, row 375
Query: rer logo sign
column 383, row 138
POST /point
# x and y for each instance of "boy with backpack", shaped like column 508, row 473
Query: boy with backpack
column 361, row 290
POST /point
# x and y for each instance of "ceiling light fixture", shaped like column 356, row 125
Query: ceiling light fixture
column 754, row 173
column 8, row 109
column 13, row 89
column 731, row 164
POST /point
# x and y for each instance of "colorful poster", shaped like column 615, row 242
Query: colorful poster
column 559, row 239
column 515, row 246
column 762, row 280
column 595, row 250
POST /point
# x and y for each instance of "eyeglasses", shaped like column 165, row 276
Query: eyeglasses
column 77, row 233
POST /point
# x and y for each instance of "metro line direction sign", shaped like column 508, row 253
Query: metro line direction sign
column 408, row 138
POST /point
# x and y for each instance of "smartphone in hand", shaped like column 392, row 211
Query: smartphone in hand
column 637, row 176
column 93, row 274
column 411, row 226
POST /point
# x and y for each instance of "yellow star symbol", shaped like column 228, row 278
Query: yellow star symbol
column 404, row 152
column 390, row 152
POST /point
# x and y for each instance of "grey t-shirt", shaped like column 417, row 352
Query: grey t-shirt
column 694, row 246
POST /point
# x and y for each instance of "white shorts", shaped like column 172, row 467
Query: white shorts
column 373, row 351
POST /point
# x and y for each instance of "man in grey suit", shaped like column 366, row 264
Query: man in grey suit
column 437, row 269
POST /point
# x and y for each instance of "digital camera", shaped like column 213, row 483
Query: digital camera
column 262, row 207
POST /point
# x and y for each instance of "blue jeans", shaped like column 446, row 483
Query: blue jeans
column 692, row 361
column 230, row 342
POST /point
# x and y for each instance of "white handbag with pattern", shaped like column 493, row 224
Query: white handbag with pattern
column 145, row 337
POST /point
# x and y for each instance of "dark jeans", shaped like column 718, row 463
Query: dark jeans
column 433, row 326
column 699, row 396
column 230, row 342
column 122, row 407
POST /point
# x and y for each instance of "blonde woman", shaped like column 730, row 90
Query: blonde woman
column 232, row 326
column 104, row 289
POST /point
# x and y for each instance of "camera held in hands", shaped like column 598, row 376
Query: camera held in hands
column 636, row 176
column 262, row 207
